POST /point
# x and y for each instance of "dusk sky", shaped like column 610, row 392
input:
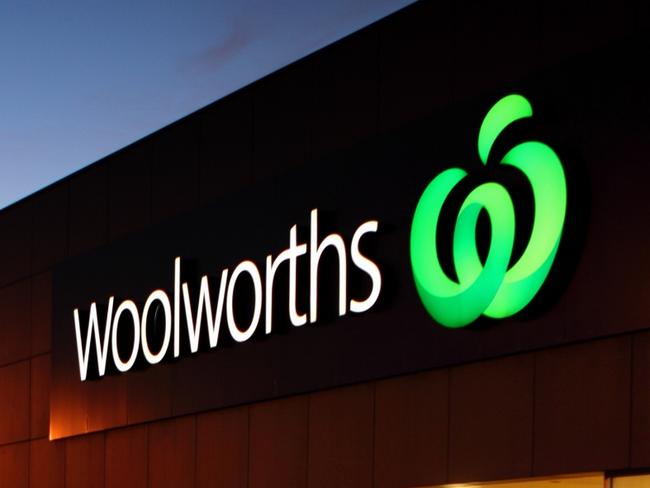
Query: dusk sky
column 81, row 79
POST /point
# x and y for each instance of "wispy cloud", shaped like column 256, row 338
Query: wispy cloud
column 216, row 56
column 240, row 33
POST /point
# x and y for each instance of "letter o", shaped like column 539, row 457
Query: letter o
column 236, row 333
column 161, row 296
column 126, row 306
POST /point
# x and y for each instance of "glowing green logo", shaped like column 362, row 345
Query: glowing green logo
column 490, row 288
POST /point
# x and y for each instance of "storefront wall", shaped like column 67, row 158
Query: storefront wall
column 583, row 406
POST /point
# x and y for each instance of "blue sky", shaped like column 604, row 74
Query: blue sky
column 81, row 79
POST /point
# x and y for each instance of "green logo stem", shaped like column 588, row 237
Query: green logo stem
column 491, row 288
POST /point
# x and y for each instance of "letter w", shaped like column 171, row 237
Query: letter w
column 101, row 346
column 214, row 322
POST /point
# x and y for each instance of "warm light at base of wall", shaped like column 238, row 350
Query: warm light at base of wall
column 587, row 480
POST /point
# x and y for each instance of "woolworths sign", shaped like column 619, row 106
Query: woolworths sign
column 205, row 316
column 494, row 287
column 391, row 257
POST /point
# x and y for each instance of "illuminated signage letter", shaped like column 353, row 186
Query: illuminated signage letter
column 315, row 253
column 204, row 307
column 366, row 265
column 161, row 297
column 101, row 346
column 236, row 333
column 272, row 265
column 126, row 306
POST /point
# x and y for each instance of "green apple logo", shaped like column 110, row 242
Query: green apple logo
column 490, row 288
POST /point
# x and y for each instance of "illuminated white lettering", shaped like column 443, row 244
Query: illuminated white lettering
column 204, row 308
column 160, row 302
column 161, row 297
column 272, row 266
column 126, row 306
column 101, row 346
column 177, row 305
column 296, row 318
column 365, row 264
column 315, row 253
column 238, row 334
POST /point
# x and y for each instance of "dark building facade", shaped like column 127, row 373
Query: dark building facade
column 386, row 397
